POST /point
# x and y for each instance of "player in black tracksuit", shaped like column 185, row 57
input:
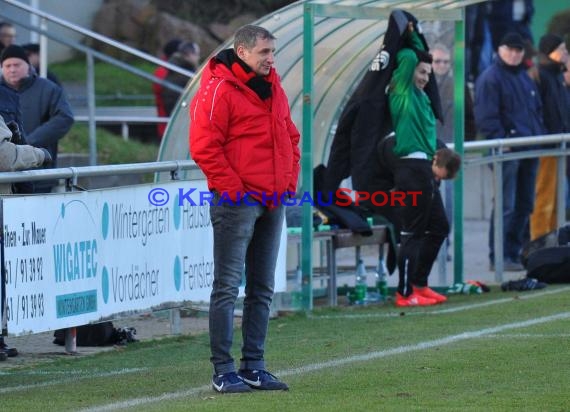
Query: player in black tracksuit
column 424, row 225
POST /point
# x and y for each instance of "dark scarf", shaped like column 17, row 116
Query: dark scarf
column 259, row 84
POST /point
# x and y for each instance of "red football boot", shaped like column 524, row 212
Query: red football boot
column 429, row 293
column 413, row 300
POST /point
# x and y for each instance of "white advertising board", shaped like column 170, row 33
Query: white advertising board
column 73, row 258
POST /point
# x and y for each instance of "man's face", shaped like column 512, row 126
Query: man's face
column 441, row 62
column 559, row 54
column 439, row 173
column 259, row 58
column 14, row 70
column 7, row 35
column 34, row 59
column 512, row 56
column 421, row 74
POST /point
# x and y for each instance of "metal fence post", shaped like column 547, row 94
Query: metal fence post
column 498, row 214
column 91, row 108
column 71, row 340
column 307, row 156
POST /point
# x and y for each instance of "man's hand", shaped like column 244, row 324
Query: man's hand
column 16, row 134
column 47, row 157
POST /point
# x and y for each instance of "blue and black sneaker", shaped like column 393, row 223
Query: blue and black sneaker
column 229, row 383
column 261, row 379
column 522, row 285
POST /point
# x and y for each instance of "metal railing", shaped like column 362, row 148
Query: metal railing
column 493, row 152
column 71, row 174
column 123, row 120
column 497, row 153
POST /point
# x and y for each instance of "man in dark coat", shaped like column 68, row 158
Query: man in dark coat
column 508, row 104
column 46, row 114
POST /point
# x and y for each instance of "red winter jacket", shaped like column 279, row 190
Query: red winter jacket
column 239, row 143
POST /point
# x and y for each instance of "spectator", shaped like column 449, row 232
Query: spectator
column 15, row 157
column 507, row 104
column 7, row 34
column 424, row 225
column 442, row 69
column 33, row 52
column 46, row 114
column 243, row 139
column 187, row 57
column 167, row 51
column 553, row 57
column 446, row 130
column 444, row 78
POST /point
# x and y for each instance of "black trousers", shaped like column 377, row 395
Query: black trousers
column 424, row 225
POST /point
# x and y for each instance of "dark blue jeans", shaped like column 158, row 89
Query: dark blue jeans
column 247, row 237
column 519, row 178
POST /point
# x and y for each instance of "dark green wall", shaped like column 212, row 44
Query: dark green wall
column 544, row 10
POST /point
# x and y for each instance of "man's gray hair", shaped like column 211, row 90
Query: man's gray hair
column 442, row 47
column 247, row 36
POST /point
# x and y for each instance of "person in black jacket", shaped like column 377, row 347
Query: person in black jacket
column 445, row 164
column 365, row 119
column 46, row 114
column 553, row 56
column 508, row 104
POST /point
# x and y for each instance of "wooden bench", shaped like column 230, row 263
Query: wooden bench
column 340, row 239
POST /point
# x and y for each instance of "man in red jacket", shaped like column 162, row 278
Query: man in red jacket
column 243, row 139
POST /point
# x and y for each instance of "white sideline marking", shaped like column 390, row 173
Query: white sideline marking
column 341, row 362
column 72, row 379
column 441, row 311
column 78, row 372
column 528, row 335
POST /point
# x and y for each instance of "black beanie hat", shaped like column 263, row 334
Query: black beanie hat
column 549, row 43
column 171, row 47
column 513, row 40
column 14, row 51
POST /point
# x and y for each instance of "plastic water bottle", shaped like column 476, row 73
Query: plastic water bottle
column 455, row 289
column 381, row 279
column 465, row 288
column 360, row 286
